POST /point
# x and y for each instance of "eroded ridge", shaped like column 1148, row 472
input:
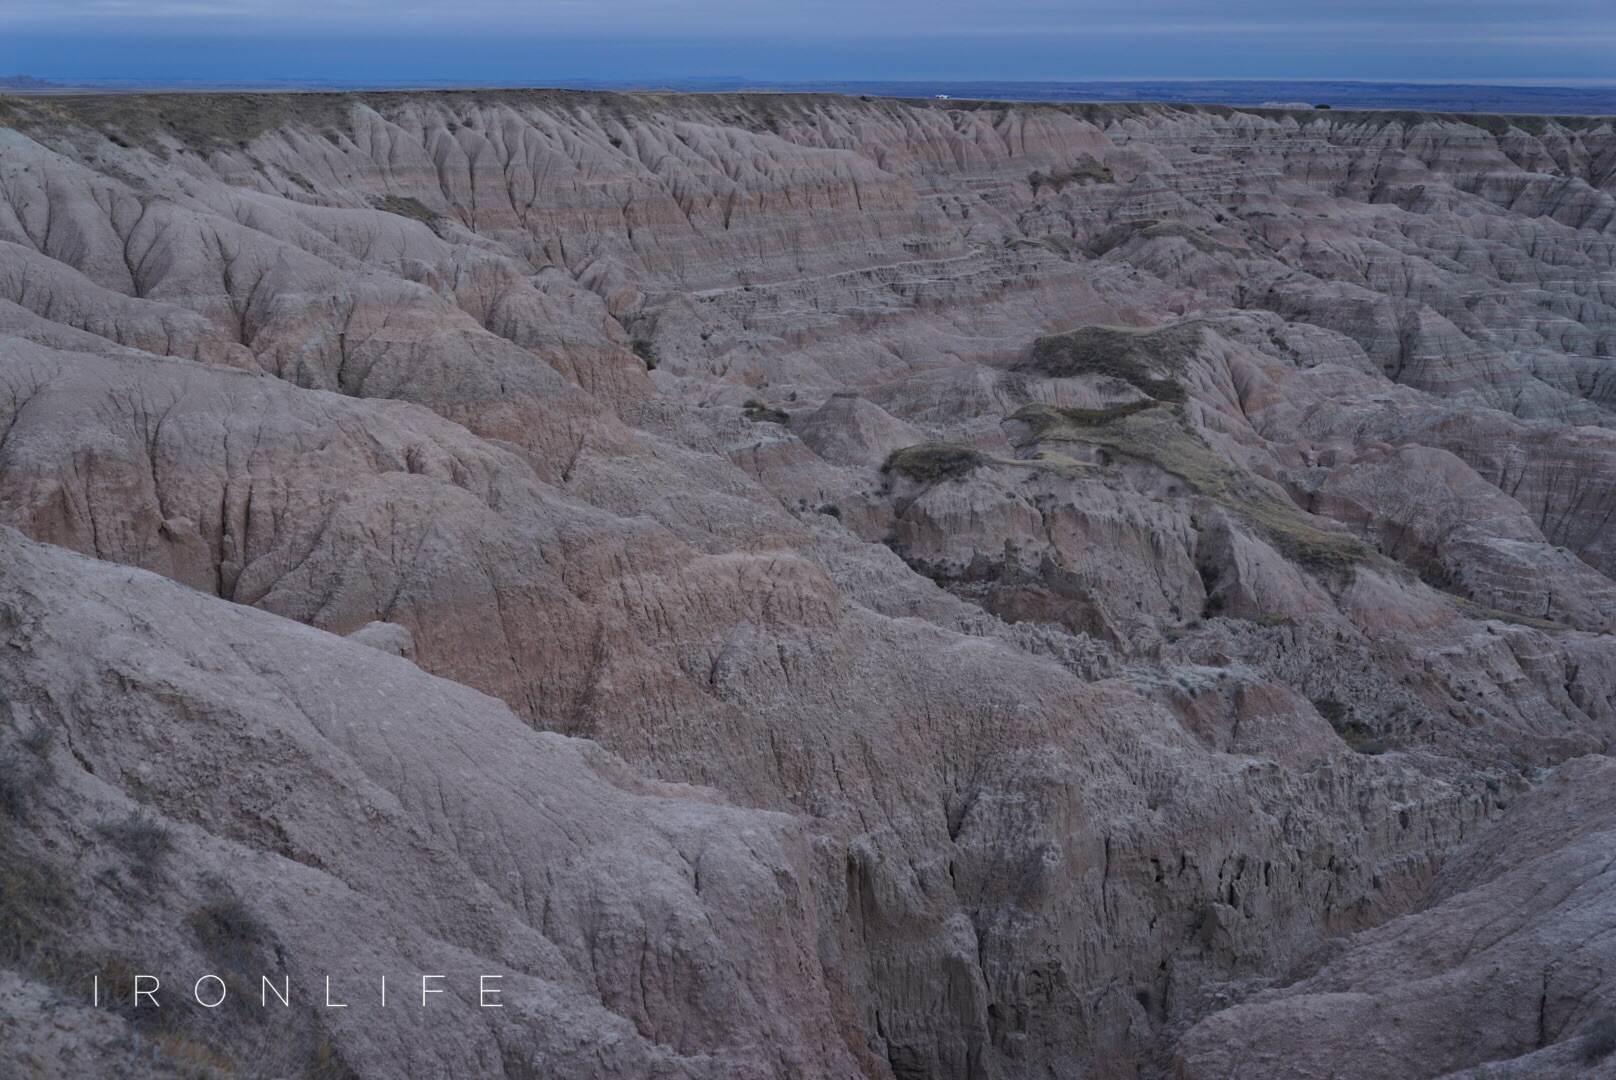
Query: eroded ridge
column 829, row 587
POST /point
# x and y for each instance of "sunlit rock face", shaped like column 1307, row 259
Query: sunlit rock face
column 799, row 586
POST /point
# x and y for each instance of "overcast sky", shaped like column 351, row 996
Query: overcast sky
column 532, row 40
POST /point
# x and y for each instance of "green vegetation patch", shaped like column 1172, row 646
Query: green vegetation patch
column 1481, row 611
column 34, row 907
column 1155, row 434
column 143, row 838
column 1361, row 738
column 22, row 774
column 1160, row 229
column 1099, row 417
column 760, row 413
column 404, row 206
column 1157, row 230
column 1131, row 355
column 1064, row 246
column 930, row 462
column 1091, row 172
column 203, row 122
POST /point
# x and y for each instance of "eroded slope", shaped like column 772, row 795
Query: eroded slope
column 1110, row 549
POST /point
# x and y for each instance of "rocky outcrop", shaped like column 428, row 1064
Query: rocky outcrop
column 849, row 431
column 1031, row 575
column 383, row 822
column 1505, row 969
column 1432, row 512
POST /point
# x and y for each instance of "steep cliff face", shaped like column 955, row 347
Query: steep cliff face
column 1082, row 557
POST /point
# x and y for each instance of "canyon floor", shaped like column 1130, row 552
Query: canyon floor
column 805, row 586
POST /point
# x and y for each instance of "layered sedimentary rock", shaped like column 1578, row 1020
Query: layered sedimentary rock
column 1505, row 970
column 1031, row 576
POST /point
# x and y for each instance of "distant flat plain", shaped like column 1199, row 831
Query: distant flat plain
column 1580, row 100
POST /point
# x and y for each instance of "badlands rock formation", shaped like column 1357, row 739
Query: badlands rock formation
column 805, row 587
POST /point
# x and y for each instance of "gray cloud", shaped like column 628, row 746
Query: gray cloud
column 1458, row 21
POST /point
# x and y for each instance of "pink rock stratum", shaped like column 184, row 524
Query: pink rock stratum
column 796, row 587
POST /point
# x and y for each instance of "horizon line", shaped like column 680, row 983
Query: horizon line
column 565, row 82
